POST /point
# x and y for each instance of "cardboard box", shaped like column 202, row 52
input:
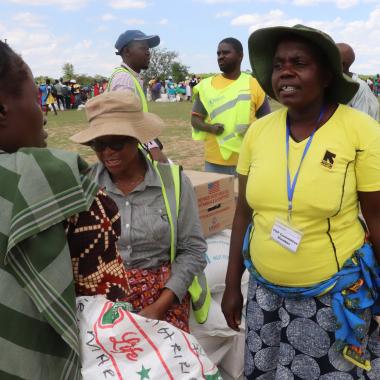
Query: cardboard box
column 216, row 200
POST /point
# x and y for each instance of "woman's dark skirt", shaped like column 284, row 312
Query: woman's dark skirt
column 289, row 339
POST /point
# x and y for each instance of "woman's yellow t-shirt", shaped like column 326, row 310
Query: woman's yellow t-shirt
column 212, row 150
column 344, row 157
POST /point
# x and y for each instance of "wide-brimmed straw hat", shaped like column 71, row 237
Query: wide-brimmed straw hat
column 262, row 44
column 118, row 113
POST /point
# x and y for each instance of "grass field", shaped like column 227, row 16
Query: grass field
column 176, row 136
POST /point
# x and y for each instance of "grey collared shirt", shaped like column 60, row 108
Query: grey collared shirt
column 364, row 100
column 145, row 237
column 124, row 81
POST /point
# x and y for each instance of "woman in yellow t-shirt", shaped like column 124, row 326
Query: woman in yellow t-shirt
column 302, row 172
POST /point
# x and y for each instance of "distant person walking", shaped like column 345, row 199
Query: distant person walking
column 188, row 89
column 96, row 89
column 66, row 92
column 193, row 82
column 58, row 86
column 224, row 107
column 364, row 100
column 156, row 89
column 170, row 89
column 49, row 100
column 42, row 88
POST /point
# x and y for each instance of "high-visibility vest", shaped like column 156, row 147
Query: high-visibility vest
column 170, row 176
column 230, row 106
column 139, row 89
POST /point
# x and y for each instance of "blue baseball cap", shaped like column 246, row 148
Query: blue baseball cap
column 135, row 35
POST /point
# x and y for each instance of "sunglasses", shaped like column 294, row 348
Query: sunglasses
column 114, row 144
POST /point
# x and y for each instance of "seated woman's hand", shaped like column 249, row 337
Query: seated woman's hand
column 153, row 311
column 158, row 309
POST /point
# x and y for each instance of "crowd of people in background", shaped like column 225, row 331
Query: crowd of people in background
column 170, row 91
column 65, row 95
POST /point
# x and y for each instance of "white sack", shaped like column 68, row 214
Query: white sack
column 244, row 291
column 215, row 325
column 216, row 347
column 233, row 361
column 117, row 343
column 217, row 261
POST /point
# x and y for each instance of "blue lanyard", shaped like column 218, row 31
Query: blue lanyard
column 292, row 185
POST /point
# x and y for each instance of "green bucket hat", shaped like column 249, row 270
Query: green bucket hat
column 262, row 44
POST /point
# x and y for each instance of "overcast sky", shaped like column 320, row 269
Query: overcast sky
column 83, row 32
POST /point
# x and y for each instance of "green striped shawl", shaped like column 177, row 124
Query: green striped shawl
column 39, row 188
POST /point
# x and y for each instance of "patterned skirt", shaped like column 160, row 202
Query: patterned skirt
column 98, row 267
column 289, row 339
column 146, row 286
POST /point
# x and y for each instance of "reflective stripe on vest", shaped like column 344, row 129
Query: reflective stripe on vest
column 230, row 104
column 170, row 177
column 140, row 91
column 231, row 107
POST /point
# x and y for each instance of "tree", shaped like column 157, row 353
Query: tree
column 84, row 79
column 179, row 72
column 161, row 61
column 40, row 79
column 98, row 78
column 68, row 71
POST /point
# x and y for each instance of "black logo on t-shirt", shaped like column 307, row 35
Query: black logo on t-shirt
column 328, row 159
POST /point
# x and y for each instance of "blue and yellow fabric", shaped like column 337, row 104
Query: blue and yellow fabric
column 354, row 289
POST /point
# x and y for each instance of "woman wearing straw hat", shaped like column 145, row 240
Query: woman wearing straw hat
column 302, row 170
column 161, row 240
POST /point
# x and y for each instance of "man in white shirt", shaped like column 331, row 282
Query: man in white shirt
column 364, row 100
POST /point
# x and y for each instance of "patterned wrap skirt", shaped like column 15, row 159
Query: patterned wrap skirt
column 289, row 339
column 98, row 267
column 146, row 286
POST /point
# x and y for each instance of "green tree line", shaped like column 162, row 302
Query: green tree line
column 163, row 63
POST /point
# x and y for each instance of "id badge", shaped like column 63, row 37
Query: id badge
column 285, row 235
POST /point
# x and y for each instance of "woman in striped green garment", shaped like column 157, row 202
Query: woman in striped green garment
column 43, row 193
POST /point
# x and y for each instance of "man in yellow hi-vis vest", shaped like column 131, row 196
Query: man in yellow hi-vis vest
column 224, row 107
column 133, row 47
